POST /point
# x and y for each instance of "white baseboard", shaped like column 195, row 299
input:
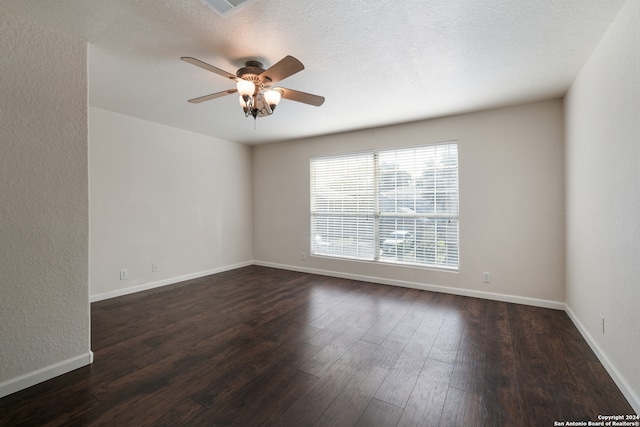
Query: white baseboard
column 164, row 282
column 622, row 384
column 32, row 378
column 556, row 305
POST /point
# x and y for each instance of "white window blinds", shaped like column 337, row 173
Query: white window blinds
column 343, row 206
column 394, row 206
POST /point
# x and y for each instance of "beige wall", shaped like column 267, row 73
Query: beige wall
column 603, row 200
column 164, row 196
column 511, row 203
column 44, row 304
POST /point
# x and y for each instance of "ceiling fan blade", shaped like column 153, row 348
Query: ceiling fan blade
column 208, row 67
column 212, row 96
column 282, row 69
column 303, row 97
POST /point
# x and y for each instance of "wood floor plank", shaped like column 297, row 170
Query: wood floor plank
column 271, row 406
column 530, row 358
column 469, row 365
column 214, row 349
column 379, row 414
column 35, row 412
column 538, row 403
column 462, row 409
column 407, row 326
column 157, row 399
column 184, row 413
column 387, row 352
column 500, row 384
column 263, row 396
column 348, row 321
column 312, row 404
column 427, row 399
column 236, row 372
column 445, row 346
column 350, row 403
column 422, row 340
column 388, row 321
column 398, row 385
column 367, row 321
column 568, row 381
column 328, row 355
column 259, row 346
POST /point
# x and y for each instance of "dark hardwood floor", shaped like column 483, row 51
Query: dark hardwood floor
column 265, row 347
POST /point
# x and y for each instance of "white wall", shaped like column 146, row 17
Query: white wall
column 165, row 196
column 511, row 208
column 603, row 200
column 44, row 304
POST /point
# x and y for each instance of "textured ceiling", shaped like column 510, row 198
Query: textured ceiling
column 376, row 62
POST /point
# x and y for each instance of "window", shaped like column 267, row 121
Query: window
column 392, row 206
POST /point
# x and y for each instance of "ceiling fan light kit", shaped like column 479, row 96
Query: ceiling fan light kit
column 253, row 84
column 260, row 104
column 255, row 101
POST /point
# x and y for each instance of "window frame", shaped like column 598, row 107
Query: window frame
column 377, row 215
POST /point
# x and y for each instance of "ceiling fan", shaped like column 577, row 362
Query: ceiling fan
column 253, row 83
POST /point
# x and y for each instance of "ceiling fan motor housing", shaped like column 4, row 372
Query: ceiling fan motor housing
column 251, row 72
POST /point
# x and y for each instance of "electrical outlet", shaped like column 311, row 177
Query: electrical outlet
column 303, row 256
column 486, row 277
column 123, row 274
column 602, row 323
column 154, row 268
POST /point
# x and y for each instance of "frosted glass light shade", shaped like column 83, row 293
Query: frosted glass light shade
column 272, row 97
column 245, row 87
